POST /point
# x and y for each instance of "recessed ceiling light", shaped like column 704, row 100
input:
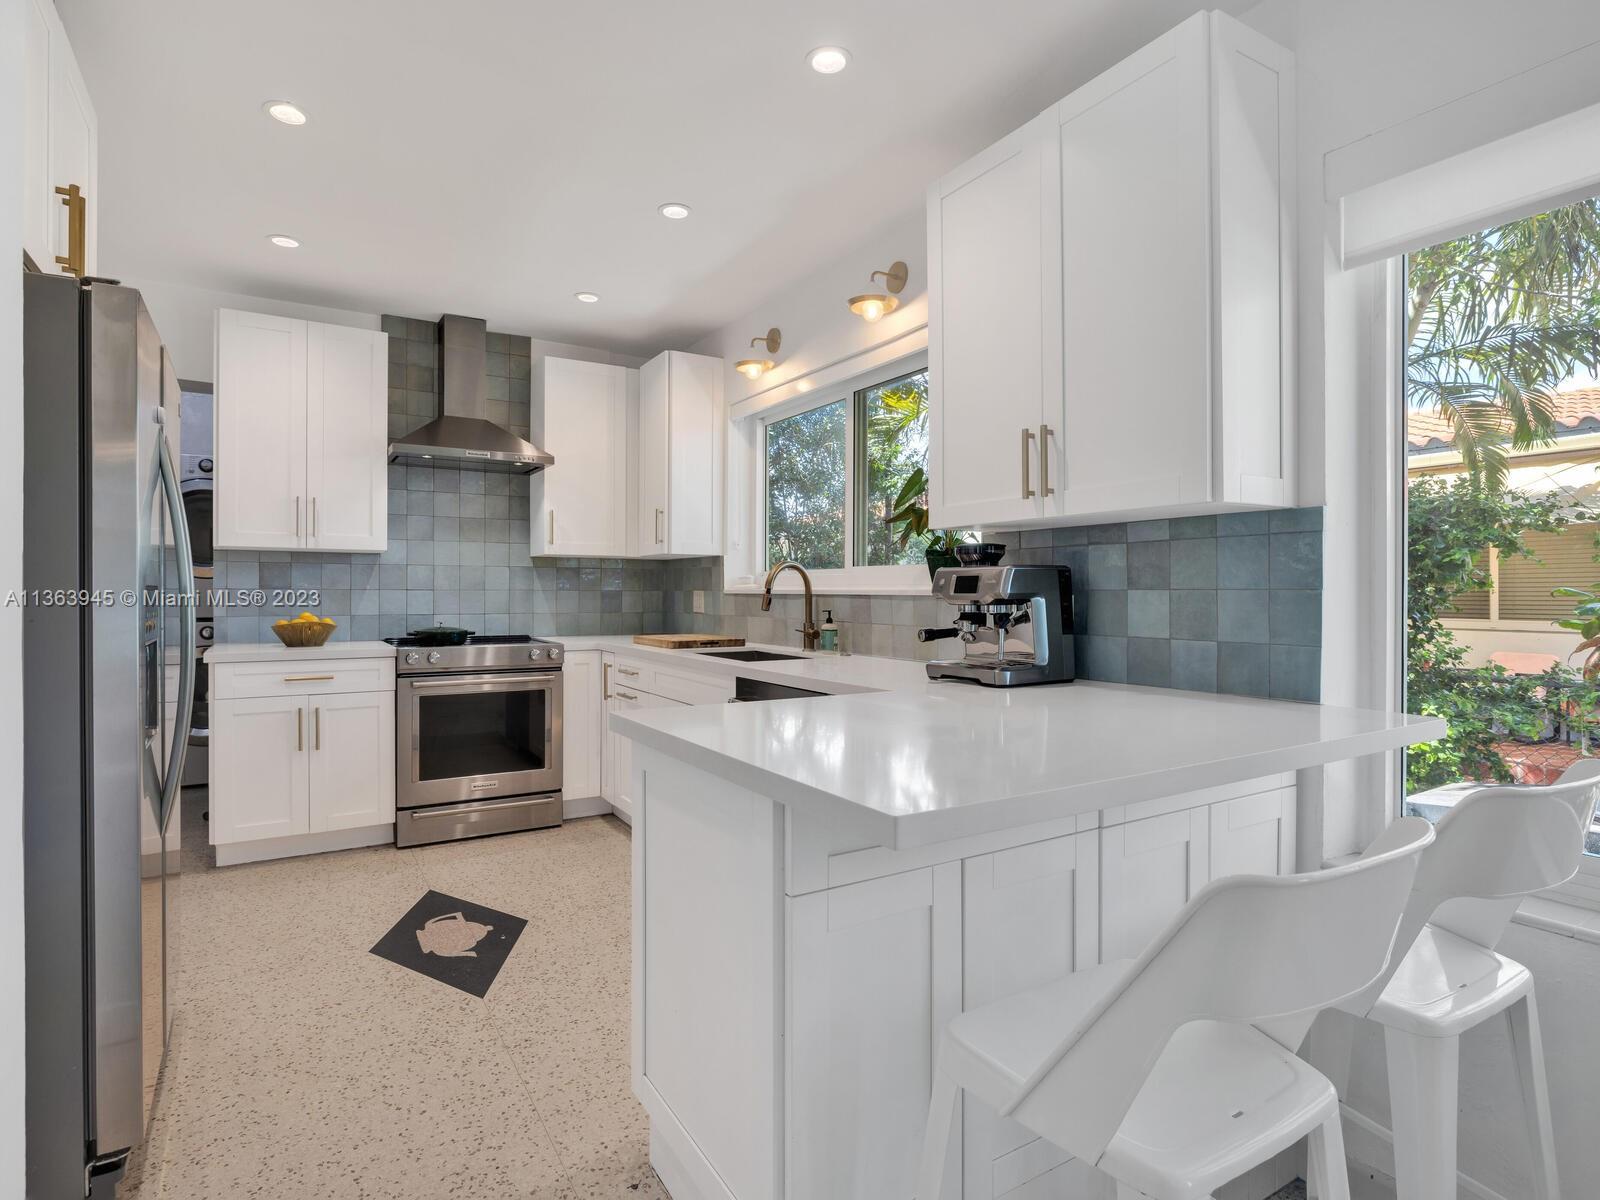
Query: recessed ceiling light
column 587, row 297
column 284, row 240
column 829, row 60
column 282, row 110
column 674, row 212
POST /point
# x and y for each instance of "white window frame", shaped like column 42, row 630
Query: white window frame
column 745, row 565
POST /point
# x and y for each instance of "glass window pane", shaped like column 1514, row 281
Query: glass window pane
column 896, row 423
column 806, row 487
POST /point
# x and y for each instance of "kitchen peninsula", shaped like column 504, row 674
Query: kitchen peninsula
column 820, row 884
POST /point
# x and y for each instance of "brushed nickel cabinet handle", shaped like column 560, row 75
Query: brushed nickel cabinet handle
column 77, row 206
column 299, row 729
column 313, row 516
column 305, row 678
column 1044, row 462
column 316, row 734
column 626, row 671
column 660, row 512
column 297, row 516
column 605, row 681
column 1027, row 488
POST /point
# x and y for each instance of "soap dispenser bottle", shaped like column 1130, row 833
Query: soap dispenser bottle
column 828, row 641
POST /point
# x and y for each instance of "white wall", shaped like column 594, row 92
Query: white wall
column 11, row 713
column 1376, row 82
column 186, row 316
column 818, row 328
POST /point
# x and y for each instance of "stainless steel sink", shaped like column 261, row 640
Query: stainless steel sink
column 751, row 655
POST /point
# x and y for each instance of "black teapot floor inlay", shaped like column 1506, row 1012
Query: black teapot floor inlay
column 454, row 941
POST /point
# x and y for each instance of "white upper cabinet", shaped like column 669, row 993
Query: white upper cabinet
column 1130, row 353
column 59, row 150
column 585, row 415
column 301, row 435
column 347, row 437
column 681, row 424
column 994, row 332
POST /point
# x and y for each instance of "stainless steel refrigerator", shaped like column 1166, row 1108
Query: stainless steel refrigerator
column 106, row 563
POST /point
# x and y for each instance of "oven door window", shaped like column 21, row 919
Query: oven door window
column 482, row 733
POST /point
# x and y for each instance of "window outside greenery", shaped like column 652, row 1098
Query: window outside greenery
column 833, row 474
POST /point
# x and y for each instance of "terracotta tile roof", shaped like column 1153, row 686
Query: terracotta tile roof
column 1575, row 409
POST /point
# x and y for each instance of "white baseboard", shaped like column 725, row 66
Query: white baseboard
column 685, row 1172
column 233, row 854
column 1371, row 1144
column 583, row 806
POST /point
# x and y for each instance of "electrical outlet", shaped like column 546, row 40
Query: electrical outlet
column 699, row 602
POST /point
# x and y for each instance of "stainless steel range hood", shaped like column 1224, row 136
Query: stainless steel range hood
column 462, row 434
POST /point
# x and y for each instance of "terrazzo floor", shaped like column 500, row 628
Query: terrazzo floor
column 303, row 1066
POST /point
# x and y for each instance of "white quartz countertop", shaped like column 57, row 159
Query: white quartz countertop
column 925, row 761
column 833, row 673
column 237, row 652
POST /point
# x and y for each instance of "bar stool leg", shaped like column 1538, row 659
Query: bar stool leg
column 936, row 1141
column 1327, row 1175
column 1423, row 1089
column 1527, row 1050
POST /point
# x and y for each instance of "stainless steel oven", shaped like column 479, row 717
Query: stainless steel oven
column 478, row 739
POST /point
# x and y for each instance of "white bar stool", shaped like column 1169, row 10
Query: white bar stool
column 1495, row 846
column 1153, row 1069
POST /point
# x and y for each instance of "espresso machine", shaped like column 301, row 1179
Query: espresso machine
column 1014, row 625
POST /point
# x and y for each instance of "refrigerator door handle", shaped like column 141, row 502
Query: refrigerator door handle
column 188, row 659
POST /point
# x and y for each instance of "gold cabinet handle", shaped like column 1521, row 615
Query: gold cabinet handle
column 659, row 513
column 551, row 540
column 316, row 731
column 625, row 671
column 314, row 516
column 627, row 695
column 305, row 678
column 1027, row 488
column 77, row 206
column 299, row 729
column 1044, row 462
column 605, row 681
column 297, row 516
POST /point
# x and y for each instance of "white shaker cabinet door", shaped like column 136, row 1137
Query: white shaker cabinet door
column 1149, row 870
column 583, row 414
column 583, row 717
column 347, row 417
column 1030, row 914
column 260, row 784
column 874, row 973
column 994, row 333
column 1254, row 835
column 351, row 755
column 260, row 477
column 681, row 424
column 38, row 192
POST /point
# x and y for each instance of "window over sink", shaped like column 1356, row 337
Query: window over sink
column 834, row 466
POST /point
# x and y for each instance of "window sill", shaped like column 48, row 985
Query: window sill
column 1559, row 917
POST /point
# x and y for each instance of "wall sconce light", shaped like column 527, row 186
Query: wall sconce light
column 755, row 368
column 874, row 306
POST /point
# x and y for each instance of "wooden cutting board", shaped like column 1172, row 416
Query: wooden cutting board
column 684, row 641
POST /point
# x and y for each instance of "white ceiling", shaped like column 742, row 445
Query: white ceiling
column 492, row 157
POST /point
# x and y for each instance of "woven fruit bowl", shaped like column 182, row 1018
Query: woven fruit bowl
column 304, row 633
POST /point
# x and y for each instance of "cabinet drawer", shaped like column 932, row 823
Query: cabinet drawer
column 304, row 677
column 686, row 688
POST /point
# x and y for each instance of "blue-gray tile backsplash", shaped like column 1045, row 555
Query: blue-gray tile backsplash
column 1231, row 603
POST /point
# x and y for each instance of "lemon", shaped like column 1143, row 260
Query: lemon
column 281, row 621
column 307, row 616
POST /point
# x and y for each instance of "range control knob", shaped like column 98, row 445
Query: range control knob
column 535, row 655
column 434, row 656
column 555, row 653
column 413, row 658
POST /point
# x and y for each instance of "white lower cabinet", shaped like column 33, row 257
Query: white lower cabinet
column 1149, row 869
column 876, row 972
column 1030, row 914
column 298, row 771
column 631, row 685
column 582, row 730
column 618, row 765
column 1254, row 835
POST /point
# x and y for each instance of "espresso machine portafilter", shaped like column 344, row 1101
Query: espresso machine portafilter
column 1014, row 625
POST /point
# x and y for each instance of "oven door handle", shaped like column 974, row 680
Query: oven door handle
column 480, row 680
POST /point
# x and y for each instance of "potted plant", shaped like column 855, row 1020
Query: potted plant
column 908, row 518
